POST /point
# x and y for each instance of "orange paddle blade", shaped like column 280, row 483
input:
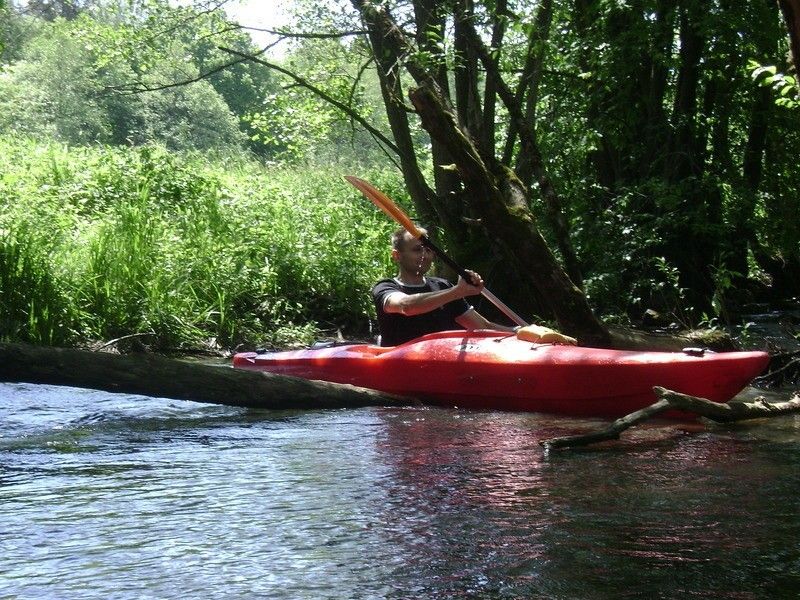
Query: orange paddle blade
column 386, row 204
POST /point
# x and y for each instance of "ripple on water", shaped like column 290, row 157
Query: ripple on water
column 118, row 496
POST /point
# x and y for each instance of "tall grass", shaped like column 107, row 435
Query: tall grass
column 100, row 243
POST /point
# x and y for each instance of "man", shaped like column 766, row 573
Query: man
column 411, row 304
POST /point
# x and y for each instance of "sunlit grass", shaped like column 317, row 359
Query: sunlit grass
column 99, row 243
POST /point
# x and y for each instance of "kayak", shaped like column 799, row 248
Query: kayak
column 496, row 371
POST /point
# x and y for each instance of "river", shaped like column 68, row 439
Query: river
column 118, row 496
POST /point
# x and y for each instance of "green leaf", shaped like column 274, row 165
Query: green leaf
column 771, row 70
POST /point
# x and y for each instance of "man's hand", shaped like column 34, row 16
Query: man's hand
column 470, row 288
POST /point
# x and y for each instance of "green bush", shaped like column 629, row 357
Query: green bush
column 184, row 250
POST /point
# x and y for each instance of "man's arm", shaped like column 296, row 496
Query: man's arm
column 417, row 304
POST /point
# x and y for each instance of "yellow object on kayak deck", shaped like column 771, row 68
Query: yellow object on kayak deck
column 544, row 335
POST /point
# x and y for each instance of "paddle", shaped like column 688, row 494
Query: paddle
column 382, row 201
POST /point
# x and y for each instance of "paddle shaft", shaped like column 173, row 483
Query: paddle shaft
column 387, row 205
column 502, row 306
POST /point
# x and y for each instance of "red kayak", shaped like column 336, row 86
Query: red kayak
column 493, row 370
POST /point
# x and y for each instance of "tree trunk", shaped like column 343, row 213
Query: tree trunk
column 530, row 153
column 752, row 166
column 791, row 15
column 494, row 193
column 430, row 29
column 603, row 158
column 501, row 203
column 683, row 148
column 157, row 376
column 393, row 100
column 655, row 126
column 465, row 74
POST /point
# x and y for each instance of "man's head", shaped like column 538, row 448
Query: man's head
column 409, row 253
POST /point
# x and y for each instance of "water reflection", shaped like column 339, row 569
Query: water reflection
column 119, row 496
column 580, row 523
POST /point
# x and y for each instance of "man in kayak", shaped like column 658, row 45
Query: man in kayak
column 411, row 304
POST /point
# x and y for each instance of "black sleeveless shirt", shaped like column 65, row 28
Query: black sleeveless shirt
column 397, row 328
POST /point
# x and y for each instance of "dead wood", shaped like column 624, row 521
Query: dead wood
column 669, row 400
column 158, row 376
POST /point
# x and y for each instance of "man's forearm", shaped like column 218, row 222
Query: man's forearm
column 418, row 304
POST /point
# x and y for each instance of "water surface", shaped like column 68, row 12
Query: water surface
column 118, row 496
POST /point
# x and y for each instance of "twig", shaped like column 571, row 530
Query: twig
column 669, row 400
column 609, row 433
column 122, row 339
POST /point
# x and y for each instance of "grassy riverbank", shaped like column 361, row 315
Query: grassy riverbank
column 98, row 243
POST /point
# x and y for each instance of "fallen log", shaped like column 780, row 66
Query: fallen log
column 669, row 400
column 159, row 376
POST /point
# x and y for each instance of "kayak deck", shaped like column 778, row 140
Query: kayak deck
column 493, row 370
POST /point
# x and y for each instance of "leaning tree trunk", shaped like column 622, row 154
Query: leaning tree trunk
column 499, row 199
column 493, row 192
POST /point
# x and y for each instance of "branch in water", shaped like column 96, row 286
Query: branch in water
column 669, row 400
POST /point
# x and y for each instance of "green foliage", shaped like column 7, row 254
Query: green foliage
column 101, row 243
column 290, row 126
column 85, row 81
column 53, row 92
column 295, row 125
column 787, row 92
column 660, row 206
column 33, row 306
column 3, row 19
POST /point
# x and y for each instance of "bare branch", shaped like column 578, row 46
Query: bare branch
column 609, row 433
column 140, row 89
column 321, row 93
column 284, row 33
column 720, row 412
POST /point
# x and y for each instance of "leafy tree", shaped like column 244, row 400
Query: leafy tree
column 553, row 162
column 296, row 125
column 53, row 91
column 3, row 19
column 640, row 173
column 684, row 161
column 74, row 79
column 243, row 85
column 50, row 10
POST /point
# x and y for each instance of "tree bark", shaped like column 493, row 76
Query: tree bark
column 791, row 15
column 431, row 22
column 669, row 400
column 683, row 147
column 465, row 72
column 531, row 155
column 492, row 192
column 504, row 211
column 385, row 53
column 157, row 376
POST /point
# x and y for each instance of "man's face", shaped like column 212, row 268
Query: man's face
column 413, row 257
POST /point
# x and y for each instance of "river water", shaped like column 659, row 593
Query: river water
column 118, row 496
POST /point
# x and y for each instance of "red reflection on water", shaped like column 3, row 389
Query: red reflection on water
column 476, row 489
